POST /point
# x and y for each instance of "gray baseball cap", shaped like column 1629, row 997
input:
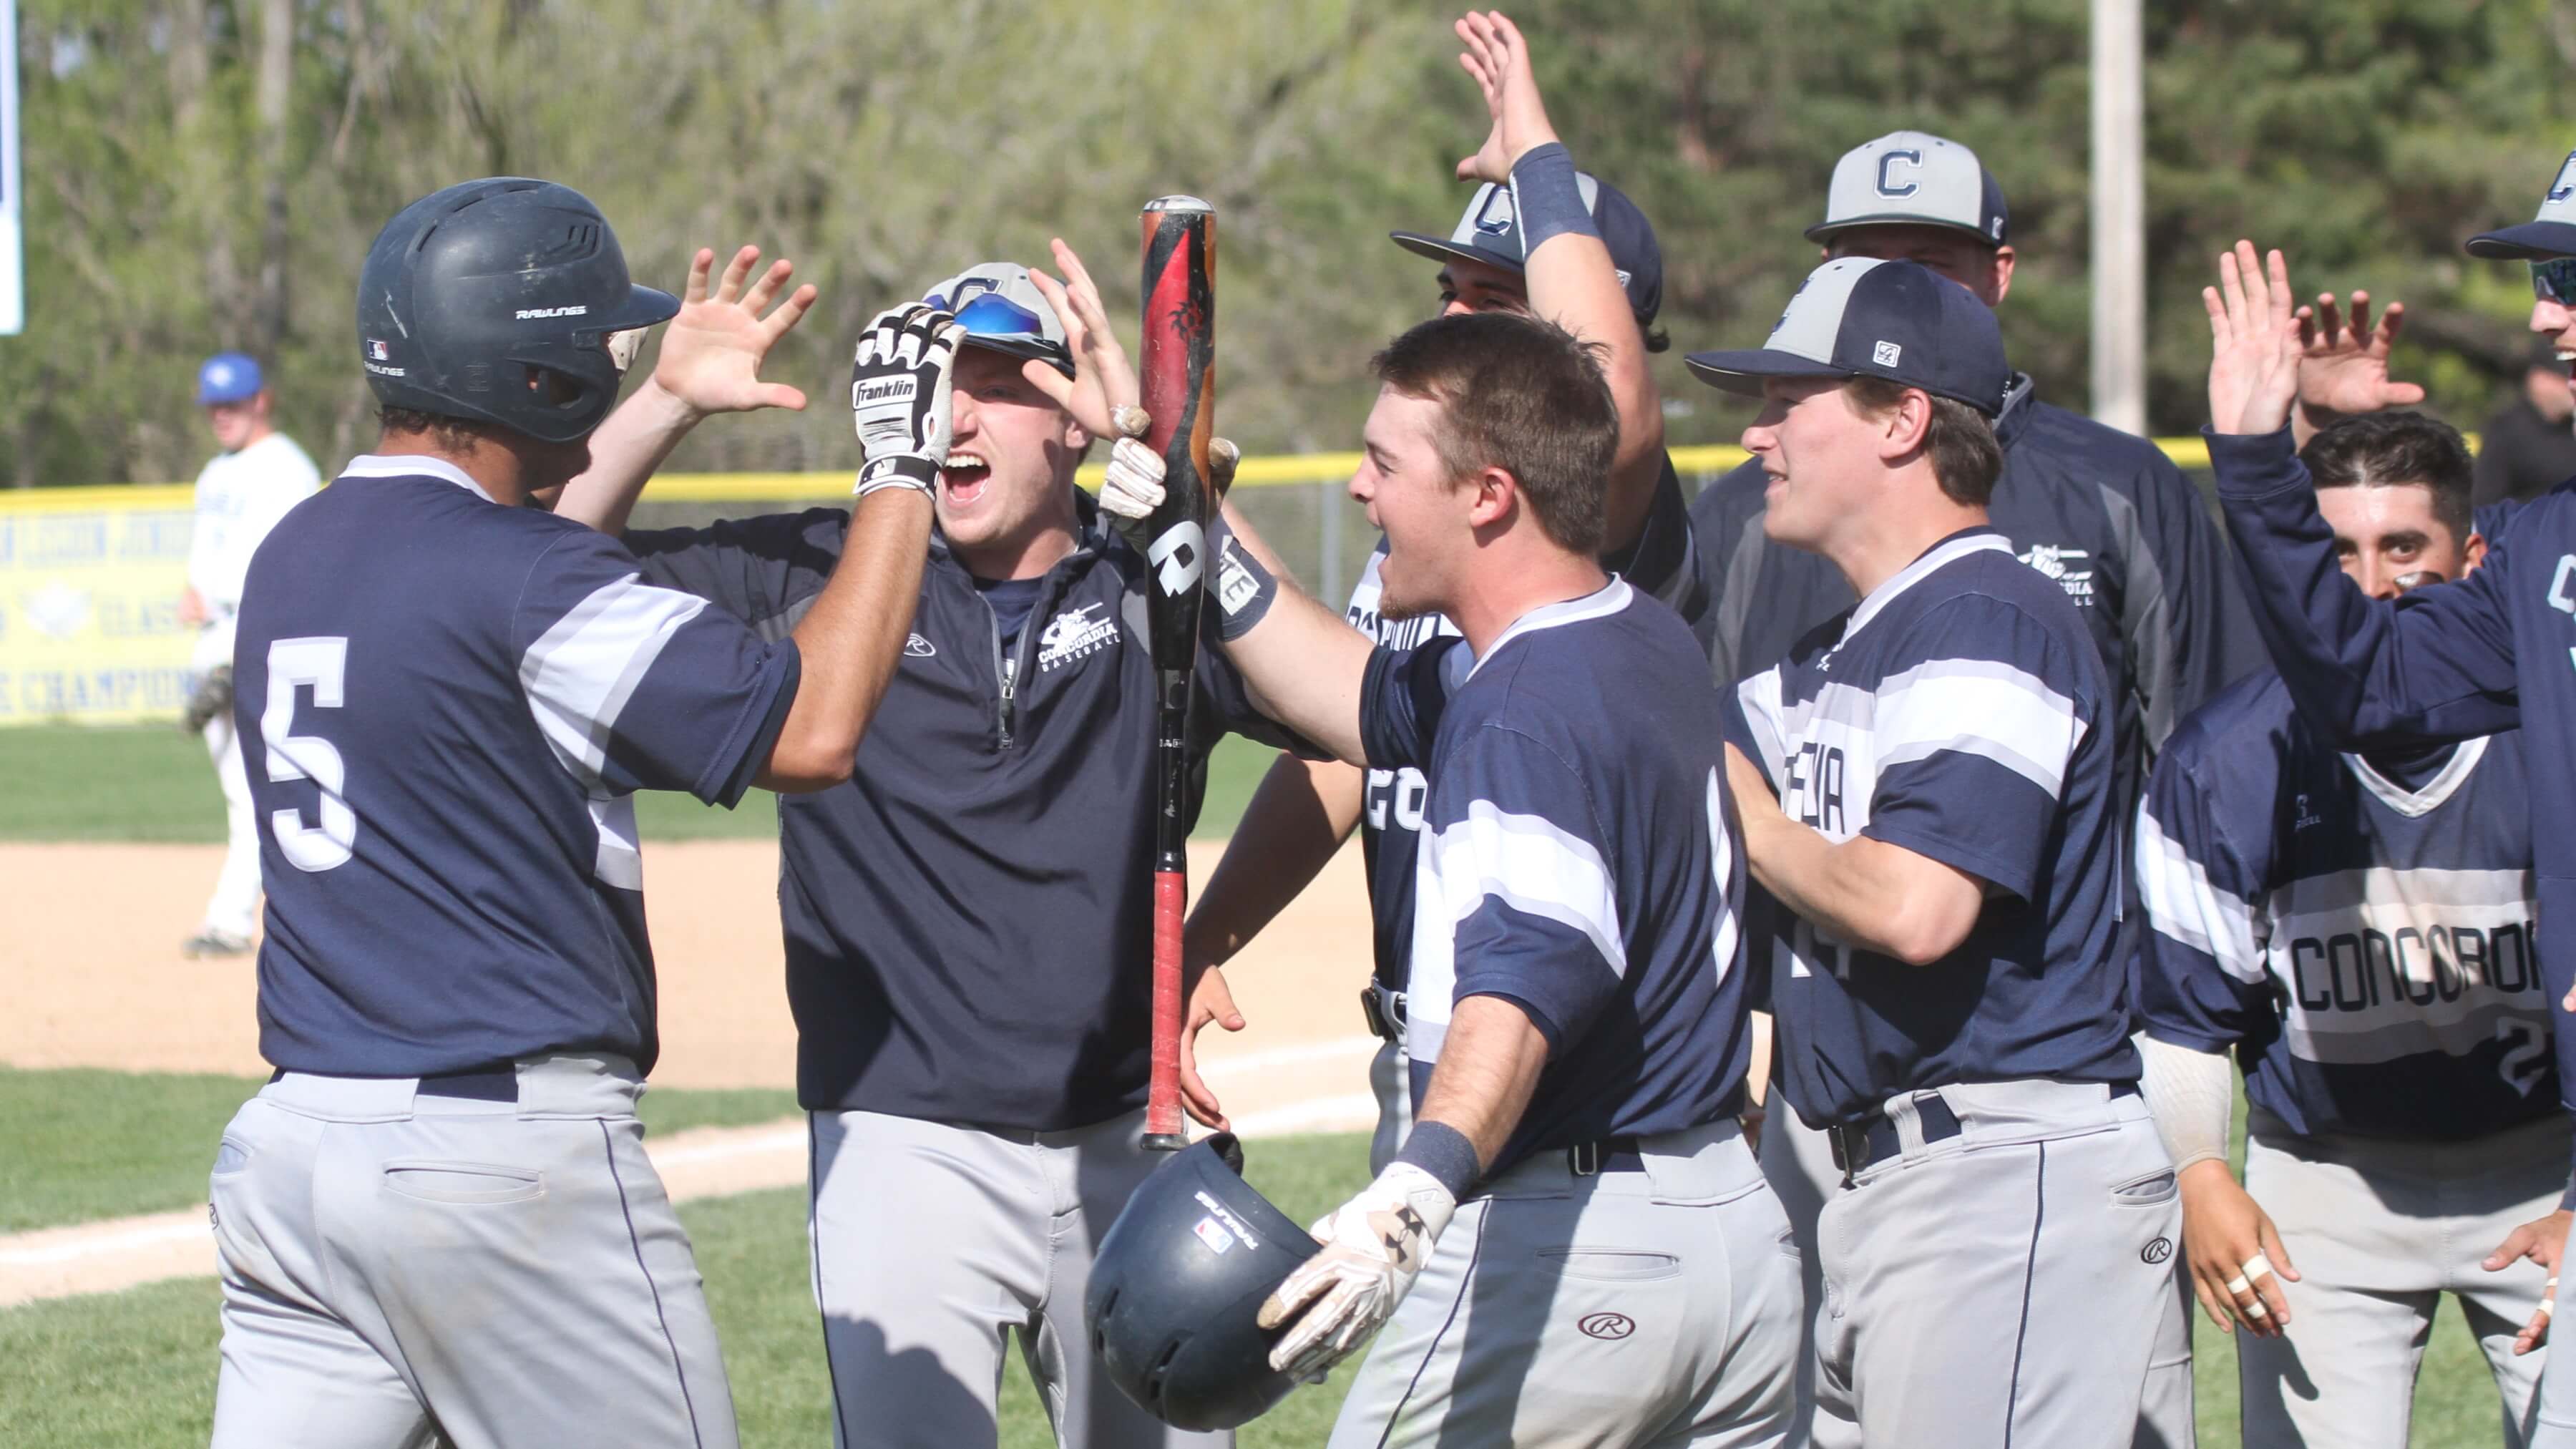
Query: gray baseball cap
column 1913, row 178
column 2550, row 234
column 1001, row 309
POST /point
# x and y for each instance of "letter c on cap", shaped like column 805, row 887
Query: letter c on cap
column 1889, row 186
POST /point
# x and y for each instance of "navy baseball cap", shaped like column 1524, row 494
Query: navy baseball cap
column 2550, row 234
column 1861, row 317
column 227, row 377
column 1913, row 178
column 1490, row 233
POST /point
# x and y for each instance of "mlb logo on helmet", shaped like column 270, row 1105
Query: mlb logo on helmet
column 377, row 350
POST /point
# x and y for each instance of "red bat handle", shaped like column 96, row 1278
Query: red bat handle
column 1164, row 1131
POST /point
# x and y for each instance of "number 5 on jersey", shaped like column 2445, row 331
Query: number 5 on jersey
column 292, row 664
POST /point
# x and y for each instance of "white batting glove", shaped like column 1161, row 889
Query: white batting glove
column 1374, row 1247
column 900, row 392
column 1133, row 487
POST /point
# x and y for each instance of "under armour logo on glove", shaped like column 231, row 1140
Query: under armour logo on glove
column 1374, row 1247
column 899, row 392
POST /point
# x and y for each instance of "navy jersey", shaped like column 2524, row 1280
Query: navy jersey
column 445, row 707
column 2449, row 662
column 1957, row 712
column 1661, row 563
column 2104, row 515
column 2358, row 933
column 969, row 919
column 1576, row 860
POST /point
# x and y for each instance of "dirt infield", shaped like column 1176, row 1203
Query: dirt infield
column 89, row 963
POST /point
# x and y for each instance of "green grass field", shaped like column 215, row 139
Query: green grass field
column 67, row 782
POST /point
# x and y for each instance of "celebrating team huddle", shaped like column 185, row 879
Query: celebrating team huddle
column 1812, row 922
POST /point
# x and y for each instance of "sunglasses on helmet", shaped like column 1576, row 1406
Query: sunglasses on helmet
column 990, row 314
column 2555, row 280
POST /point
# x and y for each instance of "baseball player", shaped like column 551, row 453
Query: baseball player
column 967, row 920
column 1573, row 1244
column 438, row 1216
column 2357, row 930
column 1945, row 843
column 2102, row 514
column 241, row 494
column 1539, row 238
column 2485, row 655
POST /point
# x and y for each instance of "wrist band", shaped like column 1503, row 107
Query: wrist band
column 1244, row 589
column 1548, row 197
column 1444, row 1152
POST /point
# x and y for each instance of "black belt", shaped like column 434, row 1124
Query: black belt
column 1872, row 1140
column 1383, row 1010
column 483, row 1084
column 1608, row 1154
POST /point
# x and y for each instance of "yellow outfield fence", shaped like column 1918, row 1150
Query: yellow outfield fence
column 90, row 577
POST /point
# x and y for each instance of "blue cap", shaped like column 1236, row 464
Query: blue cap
column 1490, row 233
column 2550, row 234
column 227, row 377
column 1861, row 317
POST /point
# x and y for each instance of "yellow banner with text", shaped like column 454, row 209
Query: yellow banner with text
column 89, row 605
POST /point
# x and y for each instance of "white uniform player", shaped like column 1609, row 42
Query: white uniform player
column 241, row 495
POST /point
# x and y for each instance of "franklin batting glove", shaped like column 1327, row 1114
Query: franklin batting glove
column 899, row 390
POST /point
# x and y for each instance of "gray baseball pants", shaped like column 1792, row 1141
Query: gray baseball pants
column 2002, row 1286
column 2379, row 1231
column 1646, row 1305
column 934, row 1242
column 2554, row 1419
column 1799, row 1162
column 398, row 1264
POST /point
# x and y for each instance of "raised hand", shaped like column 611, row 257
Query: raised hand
column 712, row 351
column 900, row 395
column 2254, row 343
column 1498, row 57
column 2343, row 366
column 1103, row 379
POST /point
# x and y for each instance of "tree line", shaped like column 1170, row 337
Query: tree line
column 206, row 174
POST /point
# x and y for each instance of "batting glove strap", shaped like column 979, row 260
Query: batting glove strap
column 900, row 393
column 896, row 473
column 1374, row 1248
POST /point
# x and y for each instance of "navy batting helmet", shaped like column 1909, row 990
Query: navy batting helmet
column 493, row 301
column 1175, row 1286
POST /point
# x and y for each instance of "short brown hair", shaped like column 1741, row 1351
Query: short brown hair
column 1966, row 459
column 1522, row 395
column 2384, row 450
